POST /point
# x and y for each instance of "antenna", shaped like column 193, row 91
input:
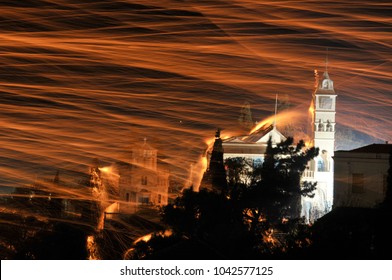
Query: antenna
column 276, row 109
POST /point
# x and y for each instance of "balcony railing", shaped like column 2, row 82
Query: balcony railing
column 308, row 174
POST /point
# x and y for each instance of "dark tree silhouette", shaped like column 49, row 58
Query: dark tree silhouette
column 58, row 241
column 239, row 222
column 239, row 171
column 207, row 223
column 277, row 195
column 215, row 176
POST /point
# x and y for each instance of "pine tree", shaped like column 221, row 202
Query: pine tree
column 278, row 194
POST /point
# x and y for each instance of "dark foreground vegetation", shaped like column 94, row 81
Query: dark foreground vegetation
column 238, row 213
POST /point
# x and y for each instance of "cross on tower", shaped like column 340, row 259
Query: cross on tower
column 326, row 61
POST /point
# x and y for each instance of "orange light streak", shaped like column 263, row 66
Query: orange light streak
column 88, row 80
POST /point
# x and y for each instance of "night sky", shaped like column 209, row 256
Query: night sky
column 88, row 79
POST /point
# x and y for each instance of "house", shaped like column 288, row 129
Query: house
column 361, row 176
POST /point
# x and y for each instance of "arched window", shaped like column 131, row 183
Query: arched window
column 329, row 126
column 325, row 84
column 321, row 127
column 144, row 196
column 320, row 165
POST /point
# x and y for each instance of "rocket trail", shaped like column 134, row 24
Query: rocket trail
column 88, row 80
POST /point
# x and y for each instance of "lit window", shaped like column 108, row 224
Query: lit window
column 147, row 153
column 144, row 199
column 320, row 165
column 258, row 162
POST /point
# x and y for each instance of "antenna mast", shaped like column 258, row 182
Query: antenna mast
column 276, row 109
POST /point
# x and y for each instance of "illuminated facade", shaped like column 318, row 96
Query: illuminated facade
column 140, row 181
column 321, row 170
column 252, row 146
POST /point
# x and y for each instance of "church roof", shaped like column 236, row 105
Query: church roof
column 143, row 146
column 264, row 133
column 260, row 136
column 234, row 139
column 147, row 146
column 253, row 144
column 260, row 133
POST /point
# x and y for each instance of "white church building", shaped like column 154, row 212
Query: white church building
column 321, row 169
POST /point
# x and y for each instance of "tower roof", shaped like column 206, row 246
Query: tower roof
column 147, row 146
column 325, row 85
column 144, row 146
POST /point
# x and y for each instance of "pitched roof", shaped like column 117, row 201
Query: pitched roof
column 263, row 134
column 258, row 134
column 373, row 148
column 143, row 146
column 234, row 139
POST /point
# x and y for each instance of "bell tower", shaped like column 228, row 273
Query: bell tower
column 324, row 100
